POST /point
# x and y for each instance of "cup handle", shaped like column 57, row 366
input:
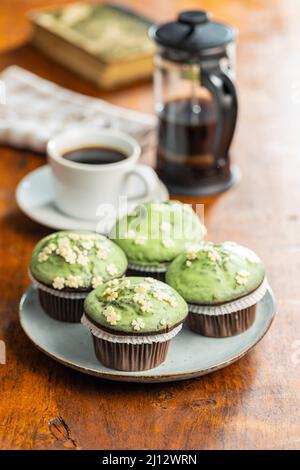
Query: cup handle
column 148, row 177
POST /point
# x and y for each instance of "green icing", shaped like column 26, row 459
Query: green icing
column 79, row 259
column 156, row 232
column 215, row 273
column 136, row 304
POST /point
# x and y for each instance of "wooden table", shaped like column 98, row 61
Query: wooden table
column 251, row 404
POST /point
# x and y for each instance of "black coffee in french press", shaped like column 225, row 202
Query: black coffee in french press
column 196, row 104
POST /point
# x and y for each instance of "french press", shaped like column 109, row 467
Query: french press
column 196, row 103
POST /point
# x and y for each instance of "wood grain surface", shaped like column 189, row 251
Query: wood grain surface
column 251, row 404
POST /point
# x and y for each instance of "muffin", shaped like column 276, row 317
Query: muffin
column 222, row 284
column 132, row 321
column 66, row 265
column 154, row 234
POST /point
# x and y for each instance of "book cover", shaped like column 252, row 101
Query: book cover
column 108, row 43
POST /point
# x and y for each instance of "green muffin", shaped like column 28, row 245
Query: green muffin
column 155, row 233
column 67, row 265
column 132, row 321
column 222, row 283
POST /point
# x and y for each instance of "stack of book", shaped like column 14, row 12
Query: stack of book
column 106, row 44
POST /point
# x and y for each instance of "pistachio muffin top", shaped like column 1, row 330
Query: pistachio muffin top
column 76, row 260
column 156, row 232
column 215, row 273
column 135, row 305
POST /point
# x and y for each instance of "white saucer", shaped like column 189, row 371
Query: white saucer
column 190, row 355
column 35, row 197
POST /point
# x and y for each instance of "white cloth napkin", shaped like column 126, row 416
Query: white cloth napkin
column 32, row 110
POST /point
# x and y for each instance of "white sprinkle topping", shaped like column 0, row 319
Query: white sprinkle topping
column 42, row 257
column 141, row 289
column 126, row 283
column 112, row 317
column 74, row 281
column 97, row 281
column 243, row 273
column 252, row 258
column 113, row 282
column 48, row 249
column 64, row 243
column 138, row 298
column 70, row 256
column 65, row 250
column 163, row 322
column 192, row 253
column 159, row 295
column 101, row 251
column 88, row 244
column 82, row 259
column 164, row 296
column 138, row 324
column 213, row 255
column 241, row 277
column 74, row 236
column 173, row 302
column 146, row 306
column 112, row 296
column 112, row 269
column 188, row 263
column 58, row 283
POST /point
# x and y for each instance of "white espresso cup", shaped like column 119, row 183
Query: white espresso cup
column 81, row 188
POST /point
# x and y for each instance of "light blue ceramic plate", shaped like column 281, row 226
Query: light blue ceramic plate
column 190, row 355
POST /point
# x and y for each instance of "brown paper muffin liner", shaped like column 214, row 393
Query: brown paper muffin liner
column 60, row 305
column 130, row 357
column 229, row 319
column 62, row 309
column 157, row 272
column 131, row 352
column 221, row 326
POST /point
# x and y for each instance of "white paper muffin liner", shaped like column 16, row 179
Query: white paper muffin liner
column 234, row 306
column 56, row 292
column 148, row 269
column 159, row 338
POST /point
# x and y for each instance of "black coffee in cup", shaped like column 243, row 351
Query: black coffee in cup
column 95, row 155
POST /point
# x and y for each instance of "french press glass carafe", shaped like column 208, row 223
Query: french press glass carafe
column 196, row 103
